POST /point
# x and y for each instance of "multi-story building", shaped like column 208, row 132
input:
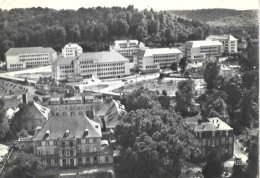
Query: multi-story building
column 71, row 141
column 229, row 42
column 71, row 50
column 91, row 65
column 201, row 50
column 22, row 58
column 213, row 135
column 76, row 105
column 127, row 47
column 152, row 60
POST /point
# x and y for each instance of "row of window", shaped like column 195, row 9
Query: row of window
column 73, row 107
column 86, row 62
column 16, row 65
column 164, row 60
column 34, row 55
column 151, row 67
column 66, row 67
column 38, row 62
column 111, row 73
column 164, row 56
column 210, row 142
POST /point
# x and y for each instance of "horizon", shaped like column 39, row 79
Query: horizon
column 164, row 5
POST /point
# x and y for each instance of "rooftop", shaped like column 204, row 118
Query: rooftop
column 71, row 45
column 64, row 60
column 111, row 110
column 213, row 124
column 105, row 56
column 203, row 43
column 76, row 125
column 29, row 50
column 157, row 51
column 223, row 37
column 38, row 111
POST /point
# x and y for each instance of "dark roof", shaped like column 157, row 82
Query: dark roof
column 64, row 60
column 76, row 87
column 29, row 50
column 44, row 81
column 105, row 56
column 38, row 111
column 57, row 125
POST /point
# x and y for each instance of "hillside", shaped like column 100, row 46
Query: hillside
column 209, row 15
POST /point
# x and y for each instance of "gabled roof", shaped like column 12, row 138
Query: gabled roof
column 76, row 125
column 64, row 60
column 38, row 111
column 29, row 50
column 69, row 45
column 222, row 37
column 111, row 110
column 157, row 51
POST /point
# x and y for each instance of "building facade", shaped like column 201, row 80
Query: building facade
column 213, row 135
column 127, row 48
column 152, row 60
column 71, row 142
column 22, row 58
column 91, row 65
column 229, row 42
column 201, row 50
column 71, row 50
column 77, row 105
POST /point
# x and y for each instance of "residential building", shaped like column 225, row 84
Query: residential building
column 108, row 113
column 213, row 135
column 229, row 42
column 22, row 58
column 71, row 50
column 73, row 105
column 38, row 116
column 91, row 65
column 201, row 50
column 152, row 60
column 127, row 47
column 66, row 141
column 43, row 84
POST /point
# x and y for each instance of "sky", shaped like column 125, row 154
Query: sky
column 140, row 4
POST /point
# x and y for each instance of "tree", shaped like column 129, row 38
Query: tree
column 183, row 64
column 4, row 124
column 213, row 168
column 174, row 66
column 155, row 143
column 253, row 159
column 211, row 73
column 23, row 165
column 185, row 103
column 22, row 134
column 164, row 92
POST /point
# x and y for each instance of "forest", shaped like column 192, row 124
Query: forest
column 95, row 28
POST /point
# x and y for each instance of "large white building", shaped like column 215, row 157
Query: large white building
column 91, row 65
column 22, row 58
column 71, row 50
column 229, row 42
column 200, row 50
column 127, row 47
column 151, row 60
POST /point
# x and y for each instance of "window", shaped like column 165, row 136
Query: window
column 87, row 149
column 80, row 160
column 56, row 161
column 48, row 152
column 55, row 142
column 87, row 159
column 106, row 159
column 63, row 144
column 94, row 140
column 39, row 143
column 71, row 143
column 63, row 152
column 90, row 140
column 79, row 141
column 71, row 152
column 95, row 159
column 79, row 150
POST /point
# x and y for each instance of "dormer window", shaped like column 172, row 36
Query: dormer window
column 67, row 133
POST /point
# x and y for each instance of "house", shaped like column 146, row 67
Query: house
column 11, row 101
column 43, row 84
column 66, row 141
column 213, row 135
column 71, row 50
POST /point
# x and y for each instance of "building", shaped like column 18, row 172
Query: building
column 108, row 113
column 11, row 101
column 71, row 142
column 127, row 47
column 152, row 60
column 201, row 50
column 229, row 42
column 71, row 50
column 22, row 58
column 90, row 65
column 213, row 135
column 76, row 105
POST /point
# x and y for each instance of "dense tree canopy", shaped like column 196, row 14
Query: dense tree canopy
column 4, row 124
column 211, row 73
column 155, row 143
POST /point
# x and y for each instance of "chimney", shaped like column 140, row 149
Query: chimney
column 96, row 126
column 25, row 100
